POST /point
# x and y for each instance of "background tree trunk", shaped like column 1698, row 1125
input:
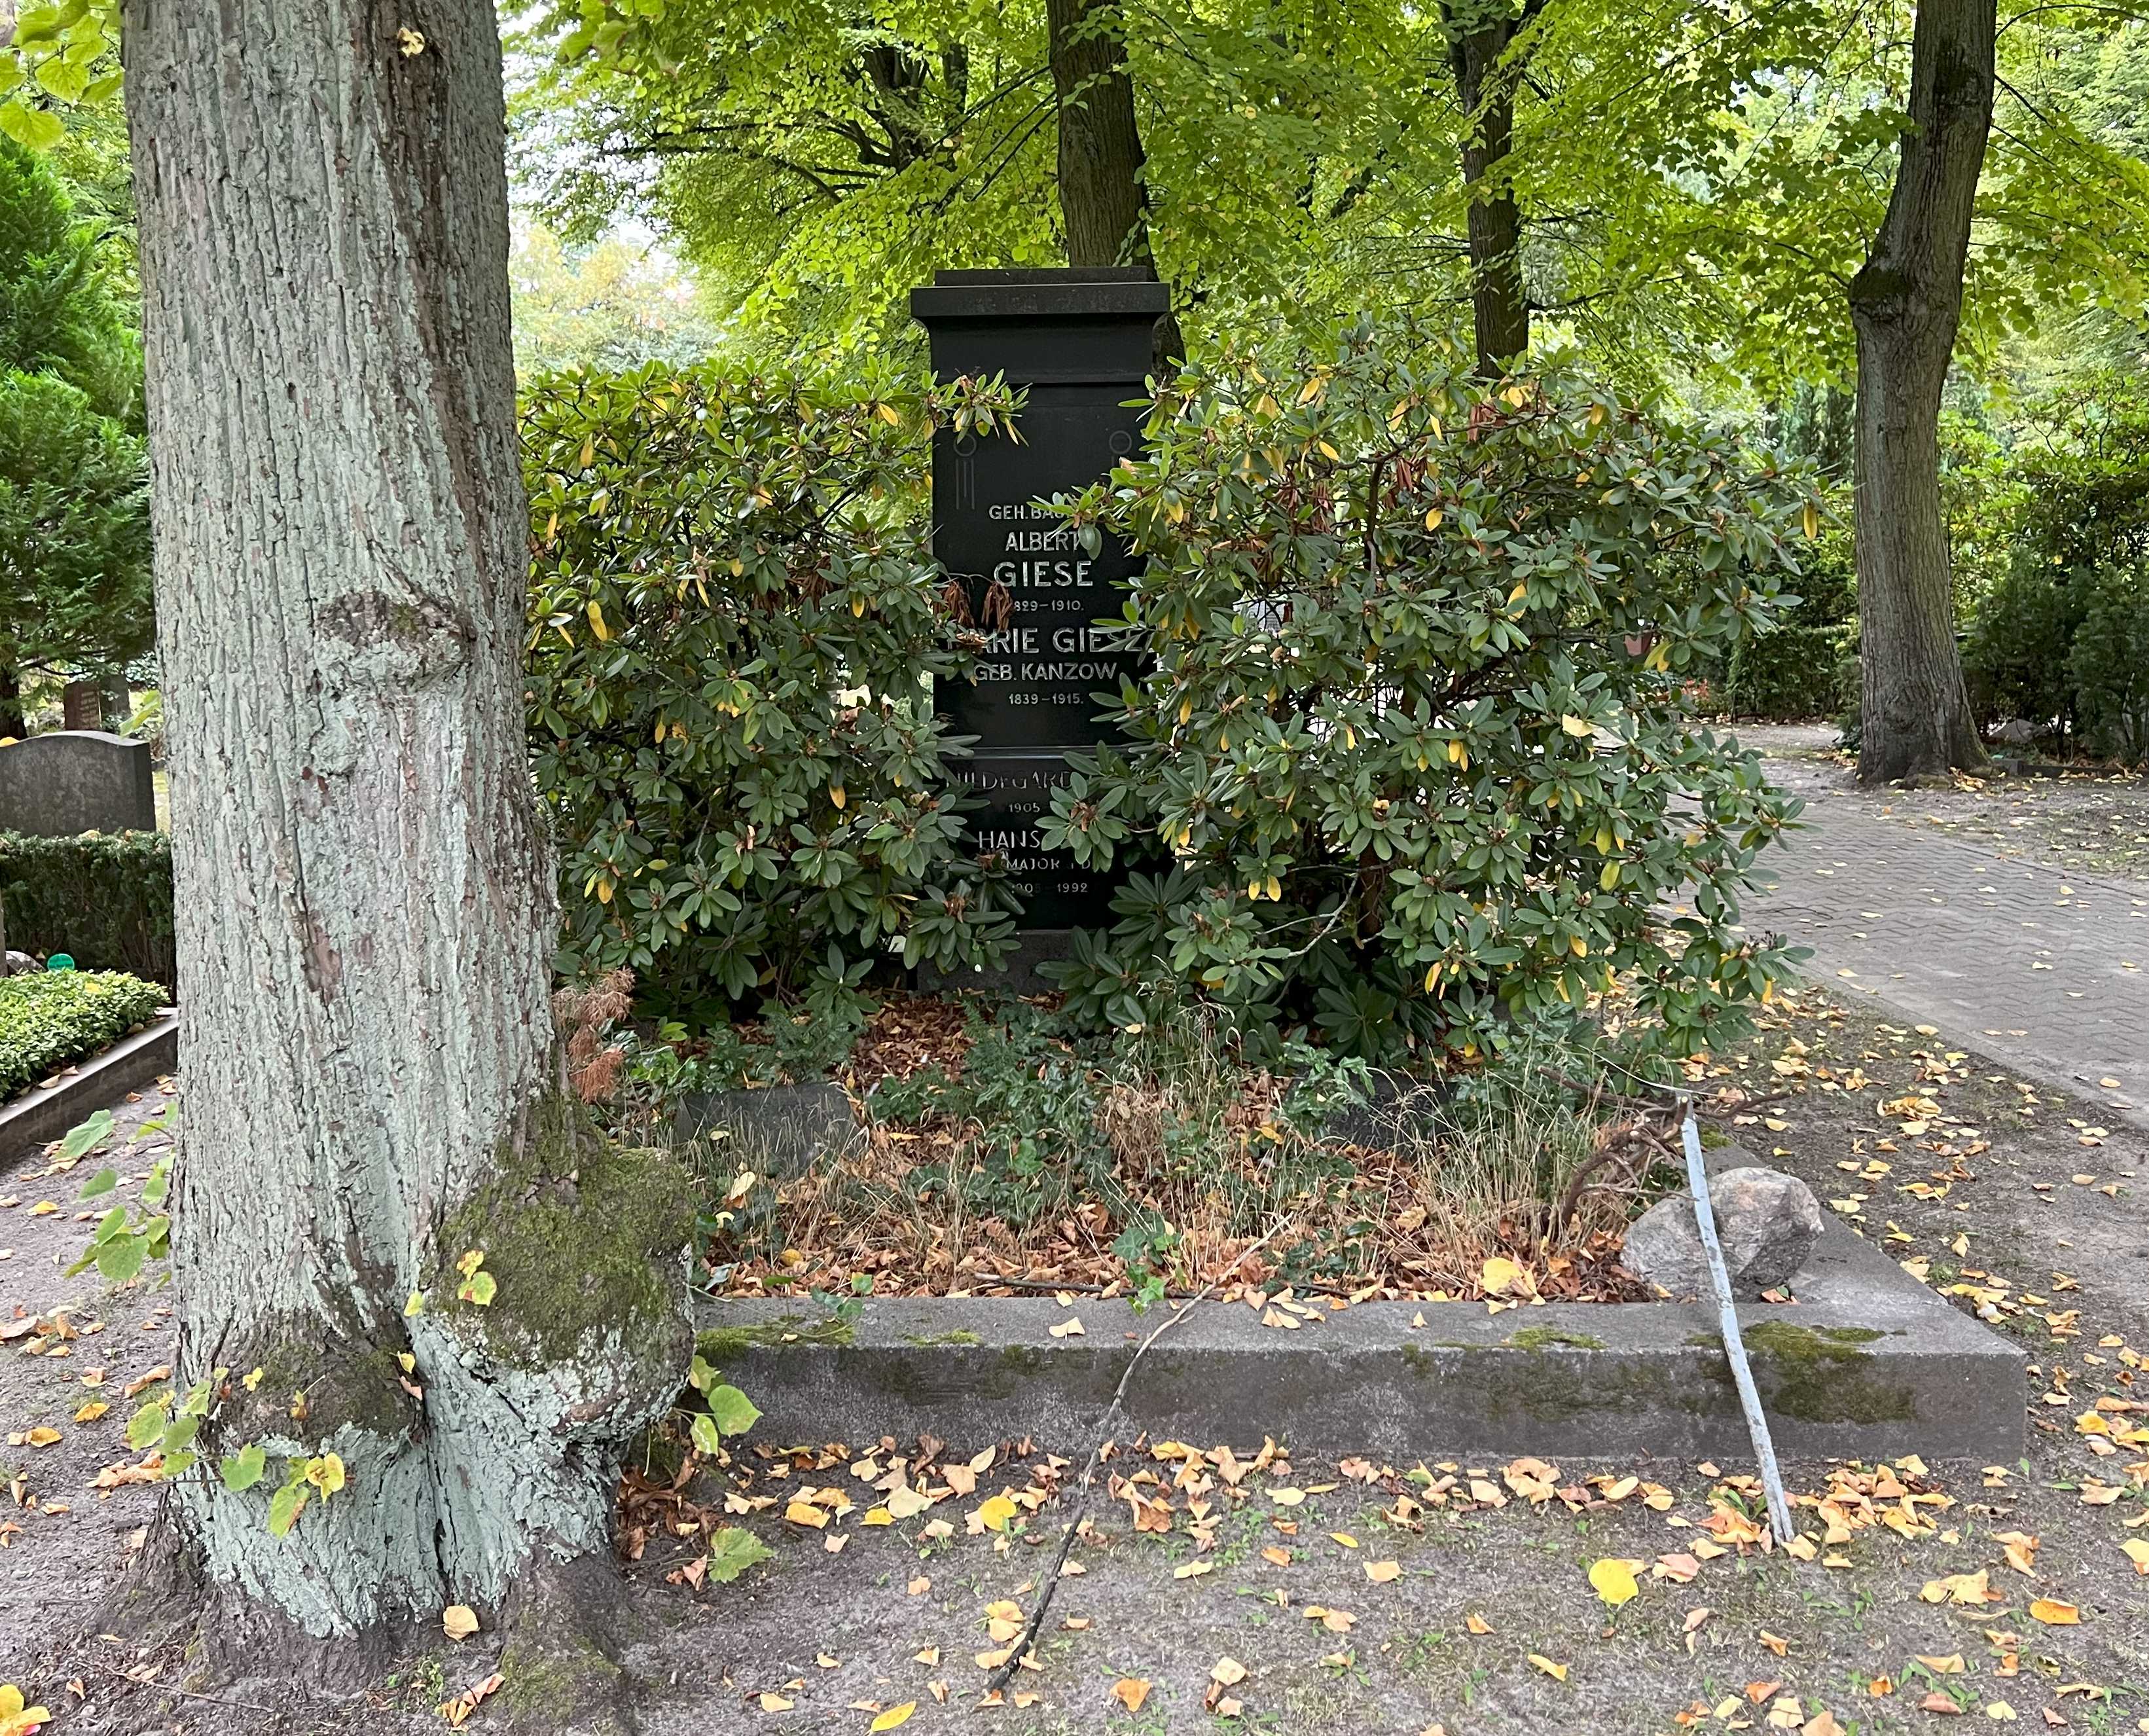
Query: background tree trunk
column 1500, row 312
column 1104, row 203
column 1907, row 304
column 365, row 898
column 12, row 723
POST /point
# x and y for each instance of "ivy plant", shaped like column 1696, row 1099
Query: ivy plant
column 1415, row 759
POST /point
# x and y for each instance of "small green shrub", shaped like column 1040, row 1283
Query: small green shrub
column 733, row 624
column 102, row 898
column 2110, row 664
column 1416, row 762
column 1792, row 671
column 2055, row 633
column 49, row 1018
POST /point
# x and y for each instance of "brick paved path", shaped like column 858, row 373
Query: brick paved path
column 2043, row 969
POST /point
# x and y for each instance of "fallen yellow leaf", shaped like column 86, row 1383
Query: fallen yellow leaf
column 893, row 1716
column 1558, row 1672
column 1381, row 1571
column 1614, row 1580
column 2053, row 1613
column 1130, row 1691
column 458, row 1621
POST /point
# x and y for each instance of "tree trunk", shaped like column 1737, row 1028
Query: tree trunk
column 12, row 723
column 1905, row 306
column 365, row 905
column 1500, row 312
column 1104, row 202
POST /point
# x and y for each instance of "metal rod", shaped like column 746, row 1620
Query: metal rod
column 1734, row 1347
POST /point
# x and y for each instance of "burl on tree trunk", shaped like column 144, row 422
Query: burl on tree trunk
column 1905, row 306
column 364, row 895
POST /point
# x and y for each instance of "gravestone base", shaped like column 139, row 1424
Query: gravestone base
column 1018, row 976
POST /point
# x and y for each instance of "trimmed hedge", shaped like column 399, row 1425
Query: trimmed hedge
column 103, row 897
column 1788, row 675
column 48, row 1018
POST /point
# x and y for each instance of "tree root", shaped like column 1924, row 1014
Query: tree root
column 559, row 1665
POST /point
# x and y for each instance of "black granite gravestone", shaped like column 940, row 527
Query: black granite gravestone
column 1080, row 343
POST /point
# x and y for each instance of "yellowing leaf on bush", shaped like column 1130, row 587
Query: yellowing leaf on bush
column 894, row 1717
column 1614, row 1580
column 2053, row 1613
column 1558, row 1672
column 1576, row 727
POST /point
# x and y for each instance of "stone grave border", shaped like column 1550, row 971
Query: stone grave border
column 44, row 1112
column 1869, row 1364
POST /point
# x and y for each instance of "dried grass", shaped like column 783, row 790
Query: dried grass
column 1215, row 1151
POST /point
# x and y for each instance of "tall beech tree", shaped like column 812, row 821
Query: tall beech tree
column 1104, row 202
column 1906, row 305
column 1489, row 65
column 403, row 1263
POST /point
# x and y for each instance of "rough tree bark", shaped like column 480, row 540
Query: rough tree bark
column 1905, row 306
column 364, row 906
column 1103, row 200
column 1485, row 79
column 12, row 720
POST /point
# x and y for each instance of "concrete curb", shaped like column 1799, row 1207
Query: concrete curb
column 1870, row 1365
column 39, row 1115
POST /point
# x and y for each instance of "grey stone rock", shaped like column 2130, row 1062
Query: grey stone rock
column 2015, row 732
column 1767, row 1222
column 74, row 781
column 779, row 1132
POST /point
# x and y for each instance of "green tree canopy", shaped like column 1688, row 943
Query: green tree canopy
column 75, row 590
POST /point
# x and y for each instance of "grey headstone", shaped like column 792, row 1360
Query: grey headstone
column 1767, row 1222
column 75, row 780
column 779, row 1132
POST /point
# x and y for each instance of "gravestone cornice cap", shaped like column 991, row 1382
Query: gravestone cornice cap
column 1100, row 293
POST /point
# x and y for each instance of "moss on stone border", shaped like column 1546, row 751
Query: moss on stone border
column 1539, row 1338
column 1821, row 1374
column 717, row 1345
